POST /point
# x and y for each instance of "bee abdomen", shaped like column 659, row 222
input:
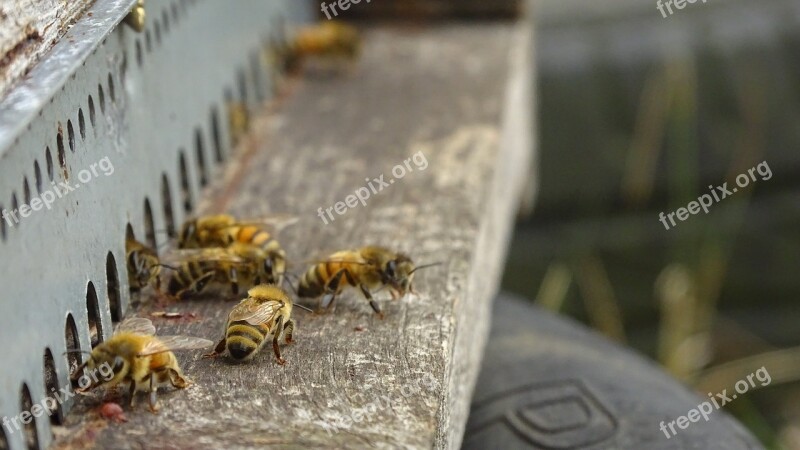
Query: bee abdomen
column 184, row 276
column 312, row 284
column 243, row 340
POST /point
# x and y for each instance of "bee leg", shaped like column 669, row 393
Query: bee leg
column 288, row 329
column 234, row 277
column 197, row 286
column 177, row 380
column 218, row 350
column 157, row 285
column 78, row 372
column 132, row 393
column 372, row 302
column 203, row 281
column 332, row 288
column 153, row 394
column 276, row 336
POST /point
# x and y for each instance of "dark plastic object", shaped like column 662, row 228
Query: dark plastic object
column 549, row 383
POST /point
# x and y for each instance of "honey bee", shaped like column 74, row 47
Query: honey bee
column 265, row 312
column 141, row 360
column 330, row 40
column 207, row 231
column 367, row 268
column 237, row 265
column 144, row 267
column 223, row 230
column 136, row 17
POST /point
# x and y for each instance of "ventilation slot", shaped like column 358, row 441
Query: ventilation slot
column 166, row 200
column 102, row 98
column 94, row 315
column 201, row 158
column 111, row 91
column 112, row 281
column 26, row 191
column 149, row 226
column 186, row 190
column 51, row 387
column 73, row 355
column 62, row 155
column 15, row 207
column 26, row 403
column 129, row 235
column 81, row 124
column 92, row 118
column 37, row 176
column 139, row 53
column 216, row 137
column 48, row 158
column 3, row 440
column 2, row 228
column 71, row 136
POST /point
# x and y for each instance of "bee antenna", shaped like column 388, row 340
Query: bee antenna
column 75, row 350
column 425, row 266
column 304, row 308
column 166, row 266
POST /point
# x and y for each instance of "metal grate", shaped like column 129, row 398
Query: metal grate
column 125, row 119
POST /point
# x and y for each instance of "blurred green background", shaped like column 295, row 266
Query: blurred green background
column 638, row 115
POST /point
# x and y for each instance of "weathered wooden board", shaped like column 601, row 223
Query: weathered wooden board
column 448, row 94
column 28, row 28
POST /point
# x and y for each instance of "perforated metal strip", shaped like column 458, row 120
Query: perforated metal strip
column 135, row 124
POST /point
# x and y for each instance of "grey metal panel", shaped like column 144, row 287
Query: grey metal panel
column 150, row 112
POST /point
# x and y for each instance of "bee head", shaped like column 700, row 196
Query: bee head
column 112, row 367
column 136, row 266
column 102, row 366
column 399, row 272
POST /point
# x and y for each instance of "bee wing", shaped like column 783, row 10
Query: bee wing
column 163, row 344
column 202, row 254
column 255, row 313
column 274, row 223
column 332, row 260
column 137, row 325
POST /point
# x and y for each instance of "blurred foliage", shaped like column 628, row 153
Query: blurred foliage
column 713, row 298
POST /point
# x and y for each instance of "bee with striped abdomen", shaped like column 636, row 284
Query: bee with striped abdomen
column 240, row 265
column 141, row 360
column 267, row 311
column 223, row 230
column 366, row 268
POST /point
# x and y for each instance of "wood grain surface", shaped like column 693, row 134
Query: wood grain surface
column 28, row 28
column 447, row 93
